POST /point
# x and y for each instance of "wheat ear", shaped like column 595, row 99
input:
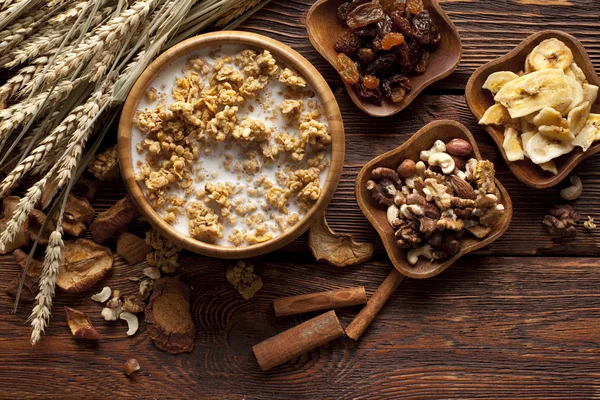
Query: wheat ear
column 21, row 29
column 115, row 30
column 25, row 75
column 42, row 310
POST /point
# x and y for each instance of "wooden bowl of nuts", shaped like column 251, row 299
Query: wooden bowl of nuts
column 231, row 144
column 542, row 138
column 433, row 199
column 386, row 52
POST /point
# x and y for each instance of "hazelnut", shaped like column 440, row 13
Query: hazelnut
column 131, row 366
column 459, row 147
column 407, row 168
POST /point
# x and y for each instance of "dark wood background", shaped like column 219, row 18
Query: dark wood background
column 519, row 319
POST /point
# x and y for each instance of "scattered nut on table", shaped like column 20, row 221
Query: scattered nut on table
column 589, row 224
column 132, row 365
column 574, row 191
column 561, row 221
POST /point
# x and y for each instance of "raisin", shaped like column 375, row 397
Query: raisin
column 401, row 80
column 381, row 65
column 392, row 39
column 434, row 35
column 371, row 95
column 384, row 26
column 348, row 43
column 364, row 15
column 402, row 53
column 415, row 51
column 390, row 6
column 395, row 87
column 376, row 44
column 414, row 6
column 371, row 82
column 367, row 32
column 342, row 11
column 401, row 24
column 365, row 55
column 421, row 65
column 421, row 25
column 347, row 69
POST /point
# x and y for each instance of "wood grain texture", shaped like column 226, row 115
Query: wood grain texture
column 518, row 319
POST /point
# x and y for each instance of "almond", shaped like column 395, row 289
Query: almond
column 462, row 188
column 459, row 147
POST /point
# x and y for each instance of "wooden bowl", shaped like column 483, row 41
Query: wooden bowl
column 282, row 53
column 480, row 99
column 324, row 28
column 439, row 130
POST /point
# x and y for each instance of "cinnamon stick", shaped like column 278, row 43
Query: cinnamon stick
column 319, row 301
column 298, row 340
column 364, row 318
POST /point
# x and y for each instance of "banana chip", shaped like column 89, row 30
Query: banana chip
column 549, row 166
column 512, row 145
column 532, row 92
column 578, row 117
column 497, row 80
column 548, row 116
column 556, row 133
column 577, row 73
column 576, row 95
column 586, row 137
column 495, row 115
column 590, row 93
column 541, row 149
column 551, row 53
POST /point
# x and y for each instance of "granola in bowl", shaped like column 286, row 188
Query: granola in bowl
column 231, row 146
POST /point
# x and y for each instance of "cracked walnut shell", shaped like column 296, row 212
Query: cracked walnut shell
column 170, row 323
column 84, row 264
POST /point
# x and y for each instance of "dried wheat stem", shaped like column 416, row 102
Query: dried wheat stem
column 21, row 213
column 18, row 114
column 25, row 75
column 42, row 310
column 235, row 12
column 115, row 30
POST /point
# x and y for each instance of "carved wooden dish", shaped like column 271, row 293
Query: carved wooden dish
column 423, row 139
column 324, row 28
column 480, row 99
column 281, row 52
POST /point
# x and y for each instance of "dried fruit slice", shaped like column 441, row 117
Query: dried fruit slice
column 84, row 264
column 512, row 145
column 495, row 115
column 576, row 94
column 578, row 117
column 551, row 53
column 575, row 72
column 497, row 80
column 556, row 133
column 32, row 279
column 549, row 166
column 541, row 149
column 347, row 69
column 548, row 116
column 170, row 324
column 525, row 137
column 80, row 325
column 590, row 93
column 533, row 92
column 586, row 137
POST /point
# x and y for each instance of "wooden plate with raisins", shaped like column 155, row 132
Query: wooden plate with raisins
column 386, row 52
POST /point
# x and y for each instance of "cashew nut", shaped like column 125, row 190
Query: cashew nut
column 152, row 272
column 424, row 251
column 392, row 214
column 103, row 296
column 132, row 322
column 110, row 314
column 444, row 161
column 574, row 191
column 438, row 147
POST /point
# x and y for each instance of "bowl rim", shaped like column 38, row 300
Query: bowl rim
column 367, row 209
column 416, row 91
column 515, row 167
column 281, row 52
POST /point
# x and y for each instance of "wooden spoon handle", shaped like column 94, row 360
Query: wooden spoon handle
column 364, row 318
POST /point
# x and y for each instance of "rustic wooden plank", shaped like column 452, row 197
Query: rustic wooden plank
column 486, row 328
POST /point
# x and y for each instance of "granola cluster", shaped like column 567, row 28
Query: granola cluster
column 245, row 117
column 165, row 255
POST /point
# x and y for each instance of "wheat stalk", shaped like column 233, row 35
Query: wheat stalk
column 41, row 312
column 236, row 12
column 15, row 10
column 24, row 76
column 18, row 114
column 115, row 30
column 20, row 30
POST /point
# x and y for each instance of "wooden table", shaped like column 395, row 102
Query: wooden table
column 519, row 319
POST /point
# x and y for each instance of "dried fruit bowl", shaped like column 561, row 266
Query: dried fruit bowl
column 324, row 28
column 423, row 139
column 480, row 99
column 279, row 51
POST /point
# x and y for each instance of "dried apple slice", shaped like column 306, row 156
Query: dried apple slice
column 84, row 264
column 80, row 325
